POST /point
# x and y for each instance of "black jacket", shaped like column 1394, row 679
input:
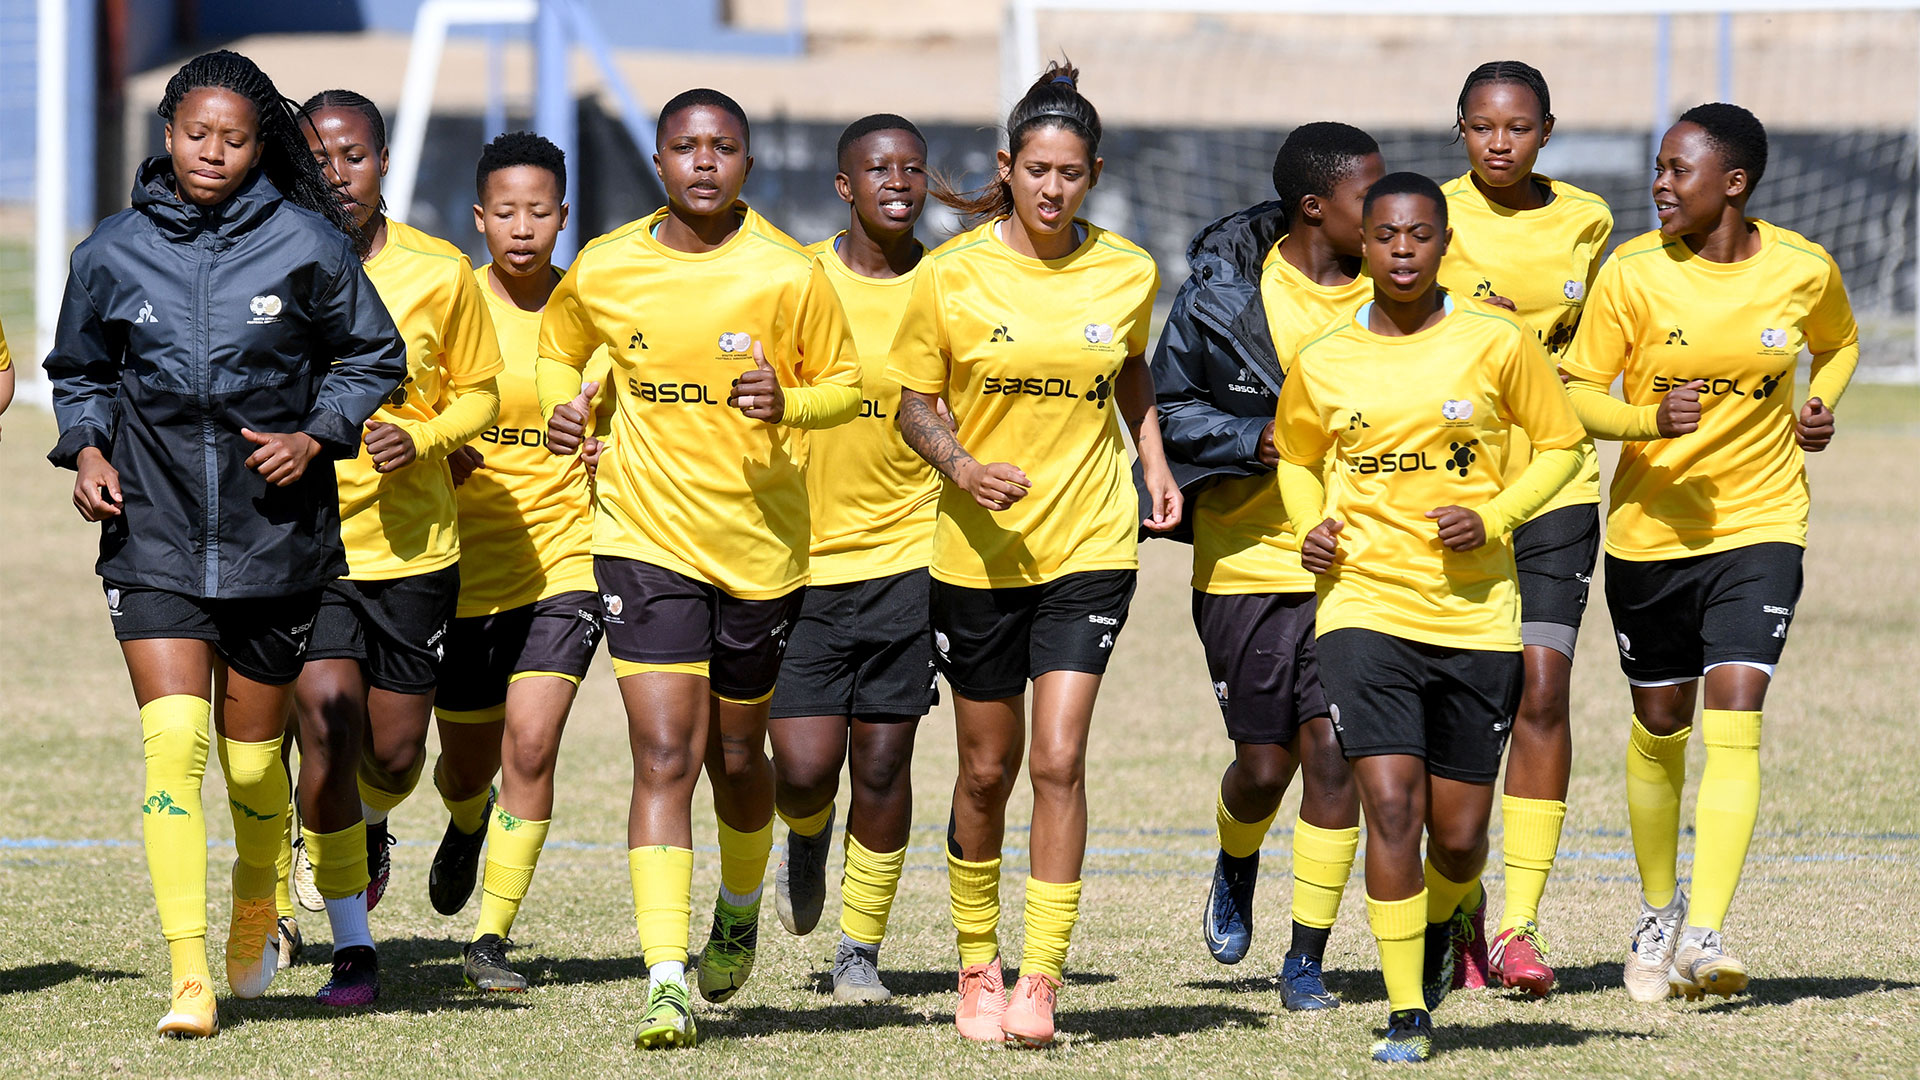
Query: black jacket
column 182, row 325
column 1216, row 377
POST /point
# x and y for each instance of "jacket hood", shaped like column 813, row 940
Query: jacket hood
column 1242, row 238
column 181, row 221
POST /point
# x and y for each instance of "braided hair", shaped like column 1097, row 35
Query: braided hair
column 1736, row 133
column 284, row 157
column 348, row 99
column 1517, row 72
column 1054, row 100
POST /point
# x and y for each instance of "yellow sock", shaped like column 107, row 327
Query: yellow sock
column 513, row 850
column 743, row 858
column 172, row 828
column 188, row 958
column 1656, row 770
column 1400, row 929
column 1052, row 909
column 283, row 865
column 1322, row 863
column 386, row 801
column 662, row 901
column 809, row 825
column 1529, row 844
column 1446, row 896
column 469, row 814
column 339, row 860
column 1239, row 839
column 973, row 893
column 257, row 792
column 867, row 887
column 1723, row 818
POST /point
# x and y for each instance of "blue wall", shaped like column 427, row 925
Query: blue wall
column 659, row 24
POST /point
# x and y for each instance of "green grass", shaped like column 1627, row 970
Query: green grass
column 1825, row 916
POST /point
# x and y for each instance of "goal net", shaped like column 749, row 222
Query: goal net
column 1196, row 97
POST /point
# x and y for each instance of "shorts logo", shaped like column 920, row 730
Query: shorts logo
column 736, row 342
column 1773, row 339
column 1099, row 334
column 1781, row 630
column 435, row 643
column 1574, row 290
column 940, row 643
column 1103, row 620
column 266, row 309
column 1772, row 610
column 1333, row 714
column 613, row 604
column 1220, row 693
column 113, row 602
column 1626, row 645
column 779, row 633
column 1106, row 641
column 1456, row 410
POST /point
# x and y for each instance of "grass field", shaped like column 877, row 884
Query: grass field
column 1825, row 916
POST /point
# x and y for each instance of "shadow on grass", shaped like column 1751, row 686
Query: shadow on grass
column 32, row 977
column 1154, row 1021
column 1353, row 987
column 1521, row 1035
column 1814, row 987
column 911, row 984
column 1107, row 1025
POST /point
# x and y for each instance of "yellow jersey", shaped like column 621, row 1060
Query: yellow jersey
column 1241, row 542
column 873, row 500
column 1661, row 316
column 686, row 482
column 1544, row 261
column 526, row 515
column 1026, row 351
column 6, row 358
column 1416, row 423
column 405, row 522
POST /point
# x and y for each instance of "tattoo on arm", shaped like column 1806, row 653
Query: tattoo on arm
column 930, row 436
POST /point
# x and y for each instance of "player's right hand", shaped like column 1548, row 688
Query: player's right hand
column 1269, row 451
column 1680, row 410
column 996, row 486
column 96, row 491
column 1320, row 548
column 462, row 463
column 567, row 427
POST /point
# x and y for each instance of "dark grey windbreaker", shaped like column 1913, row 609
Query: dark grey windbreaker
column 180, row 326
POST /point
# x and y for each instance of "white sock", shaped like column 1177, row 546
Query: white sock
column 348, row 917
column 372, row 816
column 668, row 971
column 739, row 900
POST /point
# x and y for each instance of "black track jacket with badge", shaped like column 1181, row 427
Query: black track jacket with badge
column 182, row 325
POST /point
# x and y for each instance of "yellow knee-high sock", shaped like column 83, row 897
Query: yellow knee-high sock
column 173, row 730
column 662, row 901
column 339, row 860
column 257, row 792
column 1656, row 770
column 380, row 798
column 513, row 850
column 867, row 887
column 1529, row 844
column 1723, row 818
column 1445, row 895
column 1052, row 909
column 973, row 893
column 1400, row 929
column 1322, row 863
column 469, row 814
column 743, row 859
column 809, row 825
column 283, row 864
column 1239, row 839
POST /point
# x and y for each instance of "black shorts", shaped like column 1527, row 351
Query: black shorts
column 263, row 638
column 656, row 616
column 396, row 628
column 1674, row 618
column 556, row 635
column 861, row 648
column 1452, row 707
column 989, row 642
column 1554, row 554
column 1261, row 659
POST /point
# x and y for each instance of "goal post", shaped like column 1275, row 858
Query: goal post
column 1196, row 95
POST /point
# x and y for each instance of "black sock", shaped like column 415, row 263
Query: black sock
column 1309, row 941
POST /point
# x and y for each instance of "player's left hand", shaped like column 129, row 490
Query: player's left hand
column 757, row 393
column 1460, row 528
column 1501, row 302
column 590, row 453
column 463, row 462
column 1269, row 450
column 1166, row 497
column 1813, row 428
column 282, row 457
column 390, row 445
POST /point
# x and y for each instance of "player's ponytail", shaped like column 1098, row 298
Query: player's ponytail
column 1054, row 100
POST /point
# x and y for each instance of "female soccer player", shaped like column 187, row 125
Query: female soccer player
column 1704, row 320
column 1537, row 242
column 218, row 348
column 700, row 541
column 528, row 620
column 859, row 675
column 1262, row 281
column 381, row 630
column 1419, row 641
column 1033, row 325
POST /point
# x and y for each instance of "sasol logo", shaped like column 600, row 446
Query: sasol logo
column 266, row 309
column 1099, row 334
column 1773, row 339
column 514, row 436
column 1411, row 461
column 1103, row 620
column 1664, row 383
column 736, row 343
column 870, row 407
column 995, row 384
column 671, row 393
column 1456, row 410
column 1775, row 610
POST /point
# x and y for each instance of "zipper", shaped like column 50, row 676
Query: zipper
column 210, row 458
